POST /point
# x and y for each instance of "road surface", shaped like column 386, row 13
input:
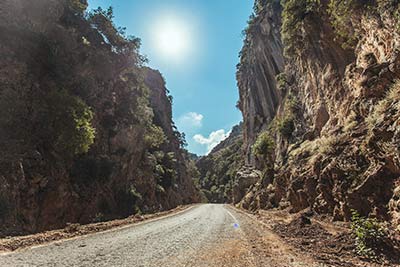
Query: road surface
column 205, row 235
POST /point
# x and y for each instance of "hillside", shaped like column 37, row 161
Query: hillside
column 218, row 169
column 85, row 129
column 320, row 102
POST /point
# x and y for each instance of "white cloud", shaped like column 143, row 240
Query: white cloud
column 212, row 140
column 189, row 121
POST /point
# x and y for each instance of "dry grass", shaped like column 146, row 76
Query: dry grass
column 392, row 99
column 350, row 123
column 326, row 145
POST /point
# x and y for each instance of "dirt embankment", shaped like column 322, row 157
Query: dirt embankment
column 328, row 243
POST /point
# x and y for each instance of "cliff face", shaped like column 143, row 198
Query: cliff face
column 86, row 131
column 261, row 57
column 328, row 108
column 181, row 188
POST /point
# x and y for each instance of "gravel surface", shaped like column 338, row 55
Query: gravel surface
column 173, row 241
column 206, row 235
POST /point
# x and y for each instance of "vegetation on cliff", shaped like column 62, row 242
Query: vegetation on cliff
column 218, row 169
column 81, row 129
column 330, row 110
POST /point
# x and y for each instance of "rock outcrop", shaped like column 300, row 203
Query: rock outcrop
column 261, row 60
column 320, row 77
column 85, row 130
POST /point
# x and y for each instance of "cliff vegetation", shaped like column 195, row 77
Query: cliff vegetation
column 85, row 129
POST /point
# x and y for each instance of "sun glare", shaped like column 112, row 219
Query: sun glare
column 172, row 38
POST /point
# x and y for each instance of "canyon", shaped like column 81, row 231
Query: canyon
column 319, row 97
column 87, row 134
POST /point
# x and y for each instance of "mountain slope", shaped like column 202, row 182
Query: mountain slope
column 218, row 168
column 86, row 131
column 319, row 96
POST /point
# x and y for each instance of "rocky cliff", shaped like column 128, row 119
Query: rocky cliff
column 320, row 101
column 85, row 130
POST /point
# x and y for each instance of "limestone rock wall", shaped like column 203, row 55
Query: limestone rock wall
column 340, row 150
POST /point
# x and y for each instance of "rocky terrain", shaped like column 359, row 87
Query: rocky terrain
column 86, row 136
column 320, row 101
column 320, row 98
column 85, row 129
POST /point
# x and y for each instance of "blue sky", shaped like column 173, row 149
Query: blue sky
column 195, row 45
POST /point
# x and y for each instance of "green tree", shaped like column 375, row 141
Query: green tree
column 68, row 123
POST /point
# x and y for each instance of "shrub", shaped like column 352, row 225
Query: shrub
column 292, row 104
column 69, row 120
column 135, row 195
column 351, row 122
column 164, row 168
column 155, row 136
column 341, row 12
column 160, row 189
column 281, row 81
column 393, row 6
column 264, row 145
column 367, row 232
column 392, row 96
column 329, row 145
column 128, row 201
column 286, row 126
column 293, row 15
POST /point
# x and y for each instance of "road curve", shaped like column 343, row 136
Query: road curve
column 195, row 237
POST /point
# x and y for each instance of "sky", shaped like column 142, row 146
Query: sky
column 195, row 45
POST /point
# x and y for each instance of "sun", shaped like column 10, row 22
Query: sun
column 172, row 38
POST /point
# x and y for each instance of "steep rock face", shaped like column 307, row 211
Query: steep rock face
column 183, row 190
column 63, row 78
column 336, row 122
column 261, row 61
column 218, row 169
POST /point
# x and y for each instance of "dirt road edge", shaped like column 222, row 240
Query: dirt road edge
column 73, row 231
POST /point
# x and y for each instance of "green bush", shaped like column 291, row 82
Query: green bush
column 340, row 12
column 367, row 232
column 155, row 136
column 135, row 195
column 264, row 145
column 128, row 201
column 281, row 81
column 102, row 20
column 292, row 105
column 69, row 123
column 286, row 126
column 293, row 15
column 164, row 169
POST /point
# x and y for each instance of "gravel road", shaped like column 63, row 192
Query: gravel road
column 207, row 235
column 172, row 241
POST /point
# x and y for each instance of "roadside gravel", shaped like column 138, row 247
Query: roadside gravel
column 202, row 236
